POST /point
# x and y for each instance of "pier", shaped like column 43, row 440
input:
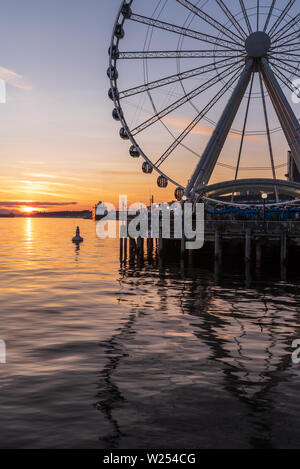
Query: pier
column 253, row 243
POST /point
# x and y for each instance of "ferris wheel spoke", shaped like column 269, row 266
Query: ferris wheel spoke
column 289, row 37
column 257, row 15
column 268, row 133
column 287, row 27
column 280, row 69
column 289, row 42
column 270, row 15
column 193, row 54
column 291, row 59
column 231, row 18
column 196, row 121
column 285, row 80
column 180, row 102
column 211, row 21
column 246, row 17
column 291, row 48
column 286, row 65
column 286, row 46
column 286, row 53
column 177, row 77
column 244, row 129
column 183, row 31
column 281, row 17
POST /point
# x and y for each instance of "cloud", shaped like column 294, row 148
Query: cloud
column 36, row 204
column 13, row 79
column 113, row 172
column 47, row 183
column 52, row 176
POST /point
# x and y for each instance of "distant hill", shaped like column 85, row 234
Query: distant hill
column 88, row 214
column 7, row 215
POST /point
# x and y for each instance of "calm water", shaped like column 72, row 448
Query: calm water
column 147, row 356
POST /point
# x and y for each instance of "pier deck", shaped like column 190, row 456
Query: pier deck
column 243, row 241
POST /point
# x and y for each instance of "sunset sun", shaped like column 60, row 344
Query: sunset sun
column 29, row 209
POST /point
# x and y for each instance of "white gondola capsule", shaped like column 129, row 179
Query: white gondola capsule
column 147, row 168
column 123, row 134
column 162, row 182
column 126, row 11
column 179, row 193
column 119, row 31
column 113, row 92
column 134, row 152
column 112, row 73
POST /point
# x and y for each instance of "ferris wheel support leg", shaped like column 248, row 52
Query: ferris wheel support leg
column 212, row 152
column 284, row 111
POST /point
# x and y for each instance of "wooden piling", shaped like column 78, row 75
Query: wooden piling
column 248, row 276
column 283, row 255
column 218, row 247
column 191, row 256
column 140, row 247
column 125, row 248
column 248, row 246
column 132, row 247
column 149, row 247
column 183, row 241
column 283, row 272
column 258, row 255
column 121, row 249
column 182, row 246
column 160, row 241
column 217, row 271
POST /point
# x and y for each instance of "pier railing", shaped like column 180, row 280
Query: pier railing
column 236, row 226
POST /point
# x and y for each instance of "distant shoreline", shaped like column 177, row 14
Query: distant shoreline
column 85, row 214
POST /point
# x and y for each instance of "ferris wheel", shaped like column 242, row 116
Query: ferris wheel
column 206, row 90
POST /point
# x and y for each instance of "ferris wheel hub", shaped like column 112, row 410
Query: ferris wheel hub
column 258, row 44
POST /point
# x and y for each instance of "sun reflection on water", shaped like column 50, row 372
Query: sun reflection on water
column 28, row 230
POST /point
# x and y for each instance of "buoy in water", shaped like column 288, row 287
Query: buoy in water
column 77, row 239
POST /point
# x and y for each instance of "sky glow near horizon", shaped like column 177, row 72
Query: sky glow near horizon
column 59, row 143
